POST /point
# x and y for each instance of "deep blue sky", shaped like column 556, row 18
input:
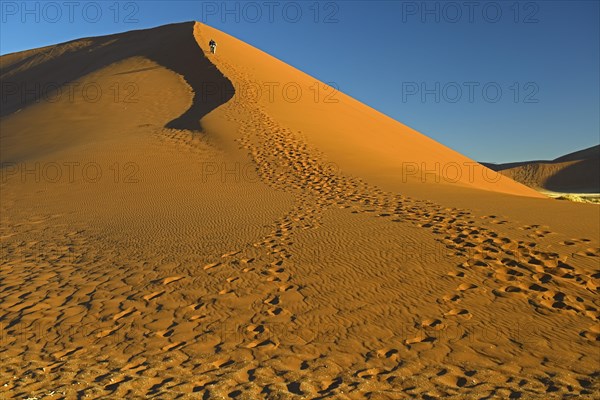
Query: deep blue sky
column 381, row 52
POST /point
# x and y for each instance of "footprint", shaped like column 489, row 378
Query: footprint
column 433, row 323
column 593, row 333
column 387, row 353
column 123, row 313
column 512, row 289
column 222, row 363
column 171, row 279
column 153, row 295
column 255, row 329
column 107, row 332
column 537, row 288
column 466, row 286
column 543, row 278
column 165, row 334
column 369, row 373
column 212, row 265
column 173, row 346
column 262, row 343
column 451, row 297
column 420, row 338
column 273, row 300
column 275, row 311
column 457, row 311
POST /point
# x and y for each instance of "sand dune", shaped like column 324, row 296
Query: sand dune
column 203, row 240
column 577, row 172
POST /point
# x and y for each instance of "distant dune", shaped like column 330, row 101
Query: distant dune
column 577, row 172
column 181, row 224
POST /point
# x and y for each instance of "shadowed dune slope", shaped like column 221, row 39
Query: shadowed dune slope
column 577, row 172
column 28, row 76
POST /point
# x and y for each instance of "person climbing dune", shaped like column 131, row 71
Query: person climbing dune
column 213, row 46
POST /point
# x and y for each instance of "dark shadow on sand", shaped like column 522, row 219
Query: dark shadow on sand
column 172, row 46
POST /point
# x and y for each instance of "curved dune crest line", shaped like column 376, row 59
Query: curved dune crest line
column 171, row 46
column 188, row 59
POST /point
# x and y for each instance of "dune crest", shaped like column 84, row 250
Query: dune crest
column 572, row 173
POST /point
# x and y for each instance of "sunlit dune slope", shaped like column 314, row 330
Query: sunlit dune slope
column 356, row 138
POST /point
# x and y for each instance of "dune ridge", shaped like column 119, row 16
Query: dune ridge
column 298, row 277
column 577, row 172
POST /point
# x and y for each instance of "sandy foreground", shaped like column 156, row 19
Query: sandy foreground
column 189, row 234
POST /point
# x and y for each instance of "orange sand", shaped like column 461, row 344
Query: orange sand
column 204, row 242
